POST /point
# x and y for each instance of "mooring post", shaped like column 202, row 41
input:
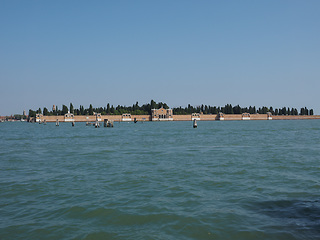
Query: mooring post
column 97, row 124
column 72, row 123
column 110, row 123
column 105, row 122
column 57, row 122
column 195, row 123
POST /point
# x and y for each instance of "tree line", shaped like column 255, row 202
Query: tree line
column 145, row 109
column 229, row 109
column 135, row 109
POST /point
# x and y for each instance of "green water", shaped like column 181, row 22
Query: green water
column 161, row 180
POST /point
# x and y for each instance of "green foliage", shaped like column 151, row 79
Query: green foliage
column 153, row 104
column 32, row 113
column 18, row 117
column 71, row 108
column 64, row 109
column 304, row 111
column 45, row 111
column 90, row 110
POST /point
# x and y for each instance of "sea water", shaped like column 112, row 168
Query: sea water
column 161, row 180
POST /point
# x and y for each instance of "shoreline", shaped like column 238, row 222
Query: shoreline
column 147, row 118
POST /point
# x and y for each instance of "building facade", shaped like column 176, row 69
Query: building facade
column 69, row 117
column 195, row 116
column 161, row 114
column 39, row 117
column 126, row 117
column 245, row 116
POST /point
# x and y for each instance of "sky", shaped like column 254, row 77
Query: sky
column 258, row 53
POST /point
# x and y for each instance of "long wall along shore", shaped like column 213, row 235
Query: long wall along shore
column 163, row 114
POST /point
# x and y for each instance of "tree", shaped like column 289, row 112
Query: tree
column 302, row 111
column 45, row 111
column 32, row 113
column 213, row 110
column 311, row 111
column 90, row 110
column 108, row 108
column 292, row 111
column 271, row 110
column 284, row 111
column 64, row 109
column 135, row 106
column 71, row 108
column 153, row 104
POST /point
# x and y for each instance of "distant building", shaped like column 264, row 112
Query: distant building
column 24, row 113
column 39, row 117
column 220, row 116
column 98, row 116
column 126, row 117
column 195, row 116
column 53, row 108
column 161, row 114
column 68, row 117
column 245, row 116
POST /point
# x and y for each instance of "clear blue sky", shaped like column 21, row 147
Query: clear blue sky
column 262, row 53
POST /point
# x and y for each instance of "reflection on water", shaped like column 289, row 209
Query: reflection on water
column 300, row 217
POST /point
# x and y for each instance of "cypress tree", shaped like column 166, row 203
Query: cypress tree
column 64, row 109
column 90, row 110
column 32, row 113
column 301, row 111
column 71, row 108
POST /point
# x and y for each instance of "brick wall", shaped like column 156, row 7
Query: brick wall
column 203, row 117
column 181, row 117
